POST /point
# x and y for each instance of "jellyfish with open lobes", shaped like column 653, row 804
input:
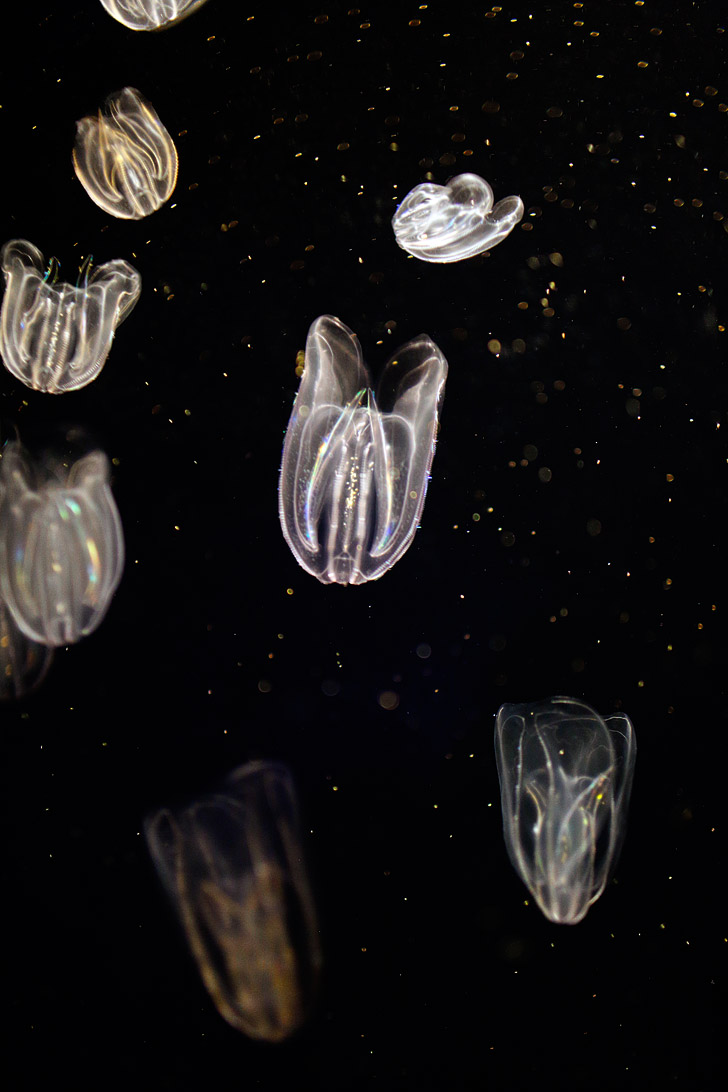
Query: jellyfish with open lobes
column 565, row 775
column 356, row 465
column 55, row 337
column 232, row 864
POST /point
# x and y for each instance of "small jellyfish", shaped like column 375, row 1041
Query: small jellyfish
column 124, row 157
column 55, row 337
column 453, row 222
column 354, row 475
column 61, row 546
column 565, row 776
column 150, row 14
column 232, row 863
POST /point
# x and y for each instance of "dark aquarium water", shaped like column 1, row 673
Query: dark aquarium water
column 571, row 543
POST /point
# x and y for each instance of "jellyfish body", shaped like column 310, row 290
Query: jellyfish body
column 61, row 546
column 55, row 337
column 150, row 14
column 232, row 864
column 566, row 776
column 124, row 157
column 356, row 465
column 453, row 222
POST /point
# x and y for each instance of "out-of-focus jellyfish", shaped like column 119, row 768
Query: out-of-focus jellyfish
column 124, row 157
column 55, row 337
column 355, row 468
column 151, row 14
column 232, row 864
column 453, row 222
column 565, row 776
column 61, row 545
column 23, row 662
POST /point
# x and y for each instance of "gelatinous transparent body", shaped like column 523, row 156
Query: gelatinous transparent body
column 61, row 546
column 124, row 157
column 56, row 337
column 23, row 662
column 565, row 775
column 151, row 14
column 354, row 475
column 233, row 865
column 453, row 222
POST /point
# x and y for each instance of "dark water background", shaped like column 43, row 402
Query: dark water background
column 298, row 130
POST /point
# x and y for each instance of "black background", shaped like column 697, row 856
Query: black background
column 298, row 130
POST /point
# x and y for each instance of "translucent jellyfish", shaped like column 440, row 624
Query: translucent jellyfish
column 354, row 476
column 23, row 662
column 151, row 14
column 56, row 337
column 61, row 545
column 232, row 864
column 565, row 776
column 124, row 157
column 453, row 222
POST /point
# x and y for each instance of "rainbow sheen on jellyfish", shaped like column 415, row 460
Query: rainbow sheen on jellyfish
column 124, row 157
column 151, row 14
column 232, row 864
column 565, row 775
column 55, row 337
column 61, row 545
column 453, row 222
column 355, row 466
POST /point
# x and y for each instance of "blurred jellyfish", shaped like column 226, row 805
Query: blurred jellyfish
column 232, row 864
column 565, row 776
column 61, row 546
column 55, row 337
column 453, row 222
column 354, row 476
column 124, row 157
column 23, row 662
column 151, row 14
